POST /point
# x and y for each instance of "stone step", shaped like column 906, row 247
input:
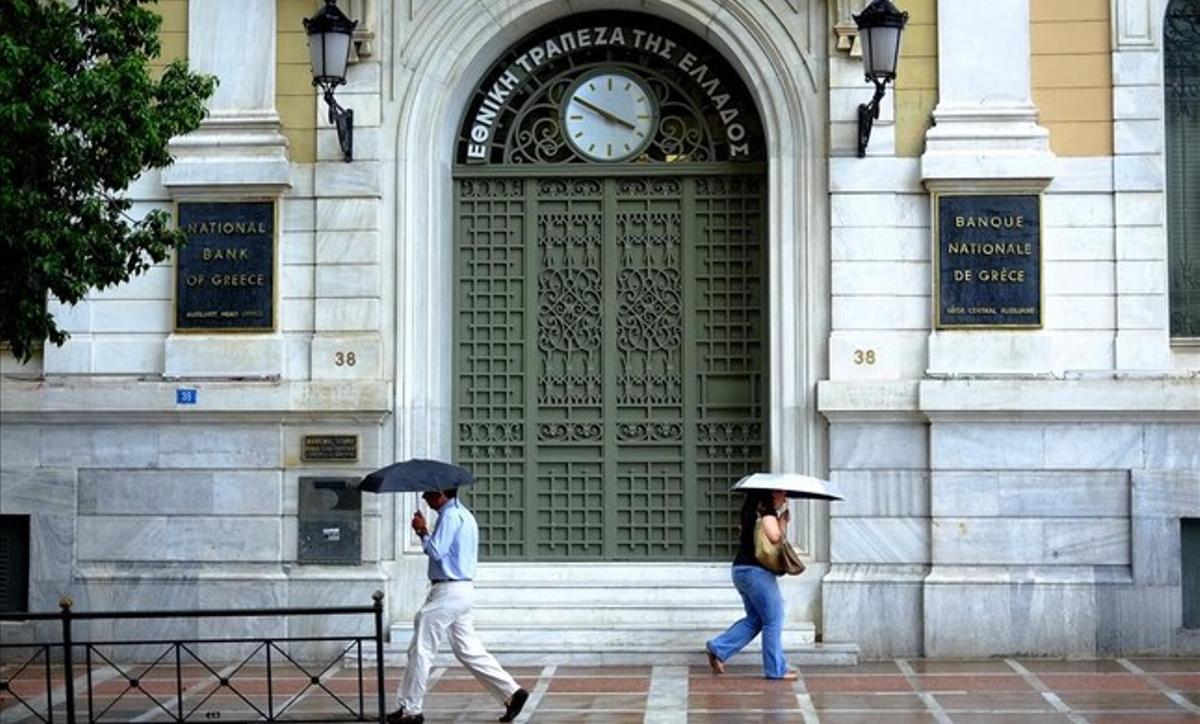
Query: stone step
column 612, row 614
column 826, row 654
column 598, row 638
column 607, row 614
column 535, row 593
column 603, row 574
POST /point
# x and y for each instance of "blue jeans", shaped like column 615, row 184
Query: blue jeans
column 764, row 613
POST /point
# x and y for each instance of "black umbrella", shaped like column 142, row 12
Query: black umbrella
column 416, row 476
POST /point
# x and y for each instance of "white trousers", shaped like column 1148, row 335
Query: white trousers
column 448, row 607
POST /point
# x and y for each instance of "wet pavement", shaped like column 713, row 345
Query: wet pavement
column 899, row 691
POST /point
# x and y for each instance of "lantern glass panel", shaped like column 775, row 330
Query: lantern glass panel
column 881, row 47
column 330, row 52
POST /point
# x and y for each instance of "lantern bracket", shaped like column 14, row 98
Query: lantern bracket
column 867, row 113
column 343, row 120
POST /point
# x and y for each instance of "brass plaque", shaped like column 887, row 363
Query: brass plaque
column 330, row 448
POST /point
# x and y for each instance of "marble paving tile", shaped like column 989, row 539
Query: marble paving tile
column 1010, row 718
column 1181, row 664
column 862, row 667
column 878, row 683
column 971, row 682
column 618, row 684
column 600, row 718
column 895, row 717
column 567, row 672
column 1140, row 717
column 1108, row 682
column 575, row 702
column 1186, row 682
column 868, row 701
column 960, row 666
column 1099, row 666
column 991, row 701
column 782, row 700
column 1088, row 701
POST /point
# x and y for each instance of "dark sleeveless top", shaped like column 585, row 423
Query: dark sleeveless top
column 745, row 553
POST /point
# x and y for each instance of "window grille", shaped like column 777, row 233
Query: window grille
column 1181, row 78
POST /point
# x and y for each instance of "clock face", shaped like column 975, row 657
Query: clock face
column 609, row 115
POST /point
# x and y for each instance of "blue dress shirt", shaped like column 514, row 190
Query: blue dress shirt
column 453, row 546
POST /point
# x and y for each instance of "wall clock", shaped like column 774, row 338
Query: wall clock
column 609, row 115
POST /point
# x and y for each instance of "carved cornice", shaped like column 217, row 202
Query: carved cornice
column 844, row 27
column 366, row 12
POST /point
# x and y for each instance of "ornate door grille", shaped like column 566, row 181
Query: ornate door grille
column 610, row 362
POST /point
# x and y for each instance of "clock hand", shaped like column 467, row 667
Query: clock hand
column 603, row 113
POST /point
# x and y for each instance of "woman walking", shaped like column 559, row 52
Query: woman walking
column 759, row 590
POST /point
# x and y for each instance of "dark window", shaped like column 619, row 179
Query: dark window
column 1190, row 535
column 1181, row 92
column 14, row 563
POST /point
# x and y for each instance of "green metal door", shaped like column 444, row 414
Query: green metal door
column 610, row 366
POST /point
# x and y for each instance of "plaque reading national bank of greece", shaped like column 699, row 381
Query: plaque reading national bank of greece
column 988, row 270
column 225, row 274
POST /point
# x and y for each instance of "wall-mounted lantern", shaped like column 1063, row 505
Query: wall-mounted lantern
column 879, row 27
column 329, row 39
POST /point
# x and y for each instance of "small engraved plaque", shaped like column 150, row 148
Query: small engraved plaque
column 330, row 448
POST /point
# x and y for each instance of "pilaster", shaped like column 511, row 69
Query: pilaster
column 986, row 139
column 1139, row 161
column 239, row 153
column 239, row 148
column 986, row 125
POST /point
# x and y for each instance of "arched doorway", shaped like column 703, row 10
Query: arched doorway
column 610, row 321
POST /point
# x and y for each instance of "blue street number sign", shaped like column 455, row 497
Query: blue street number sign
column 185, row 396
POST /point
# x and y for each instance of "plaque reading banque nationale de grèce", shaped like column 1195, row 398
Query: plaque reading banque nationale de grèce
column 225, row 274
column 989, row 262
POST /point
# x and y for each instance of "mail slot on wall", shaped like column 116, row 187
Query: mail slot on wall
column 330, row 521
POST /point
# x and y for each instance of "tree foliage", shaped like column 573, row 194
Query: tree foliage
column 82, row 115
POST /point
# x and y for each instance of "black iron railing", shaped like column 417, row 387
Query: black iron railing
column 190, row 698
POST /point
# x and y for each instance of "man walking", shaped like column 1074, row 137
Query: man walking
column 453, row 550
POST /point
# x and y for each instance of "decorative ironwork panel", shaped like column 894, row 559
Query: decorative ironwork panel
column 490, row 321
column 611, row 358
column 1181, row 77
column 731, row 350
column 650, row 498
column 569, row 411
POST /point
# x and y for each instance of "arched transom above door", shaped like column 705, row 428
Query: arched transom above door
column 610, row 87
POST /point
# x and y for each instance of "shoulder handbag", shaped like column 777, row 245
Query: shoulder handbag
column 778, row 557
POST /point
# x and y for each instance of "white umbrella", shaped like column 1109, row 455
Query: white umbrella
column 796, row 485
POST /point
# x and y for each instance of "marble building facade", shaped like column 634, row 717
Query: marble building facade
column 1007, row 490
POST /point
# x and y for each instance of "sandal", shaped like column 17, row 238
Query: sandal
column 713, row 662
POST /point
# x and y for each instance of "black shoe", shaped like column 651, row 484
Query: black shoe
column 398, row 717
column 514, row 705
